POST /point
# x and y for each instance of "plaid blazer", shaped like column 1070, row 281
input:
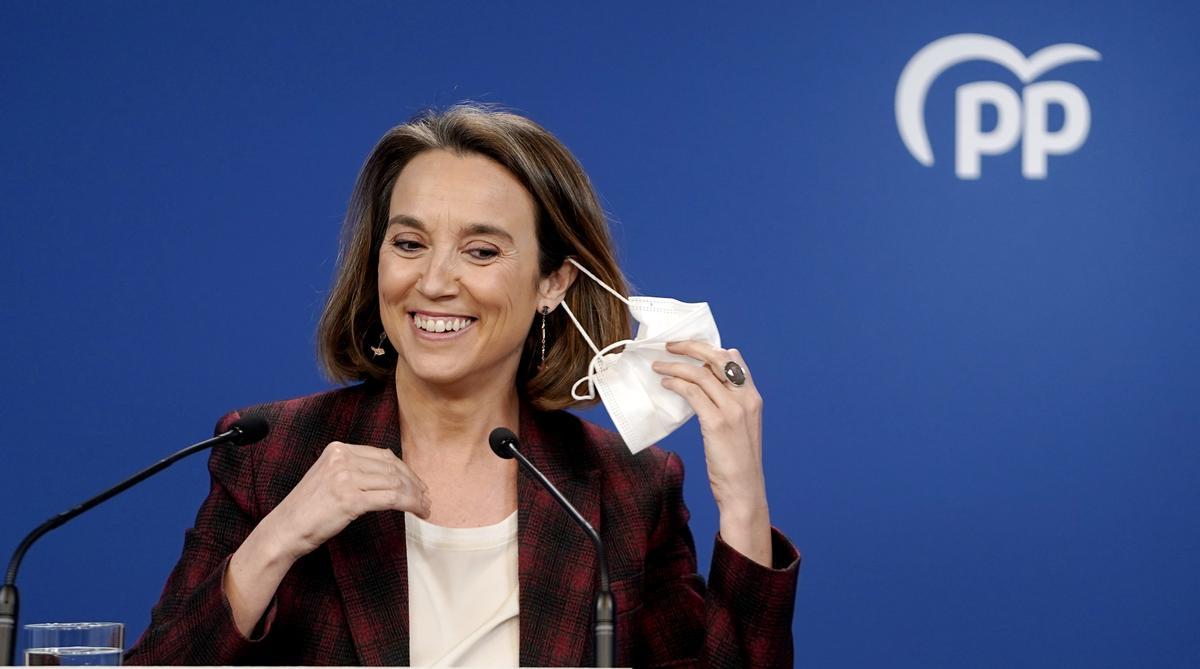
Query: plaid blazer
column 347, row 602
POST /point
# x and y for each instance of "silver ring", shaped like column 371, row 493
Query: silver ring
column 734, row 373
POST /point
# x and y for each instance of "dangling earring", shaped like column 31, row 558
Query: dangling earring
column 378, row 350
column 545, row 310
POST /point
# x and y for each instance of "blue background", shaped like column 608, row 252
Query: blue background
column 981, row 397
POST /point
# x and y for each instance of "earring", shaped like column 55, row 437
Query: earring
column 378, row 350
column 545, row 310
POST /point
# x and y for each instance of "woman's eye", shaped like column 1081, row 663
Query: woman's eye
column 483, row 253
column 407, row 245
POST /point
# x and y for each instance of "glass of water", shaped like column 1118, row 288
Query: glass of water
column 74, row 644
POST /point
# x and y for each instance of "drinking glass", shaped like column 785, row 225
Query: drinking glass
column 74, row 644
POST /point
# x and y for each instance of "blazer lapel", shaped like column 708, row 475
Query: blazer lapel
column 370, row 562
column 557, row 562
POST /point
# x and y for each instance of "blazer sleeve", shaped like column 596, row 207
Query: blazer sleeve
column 192, row 623
column 742, row 618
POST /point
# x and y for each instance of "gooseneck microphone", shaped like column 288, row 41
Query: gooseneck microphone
column 248, row 430
column 604, row 630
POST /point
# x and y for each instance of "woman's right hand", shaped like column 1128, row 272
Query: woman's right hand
column 347, row 481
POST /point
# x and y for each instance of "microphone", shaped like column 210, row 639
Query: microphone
column 248, row 430
column 504, row 444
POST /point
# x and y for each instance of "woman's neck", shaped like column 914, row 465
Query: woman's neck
column 452, row 425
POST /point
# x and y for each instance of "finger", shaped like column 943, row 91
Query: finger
column 391, row 500
column 400, row 474
column 372, row 458
column 373, row 452
column 340, row 450
column 714, row 358
column 371, row 465
column 717, row 392
column 708, row 412
column 389, row 458
column 365, row 482
column 394, row 471
column 408, row 472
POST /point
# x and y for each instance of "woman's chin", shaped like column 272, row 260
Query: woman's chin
column 441, row 371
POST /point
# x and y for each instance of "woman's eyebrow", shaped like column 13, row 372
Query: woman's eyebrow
column 487, row 229
column 408, row 222
column 415, row 223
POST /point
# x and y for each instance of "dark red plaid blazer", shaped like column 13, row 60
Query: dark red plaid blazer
column 347, row 602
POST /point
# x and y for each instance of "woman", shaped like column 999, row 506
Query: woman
column 375, row 526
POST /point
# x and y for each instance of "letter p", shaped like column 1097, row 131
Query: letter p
column 1038, row 142
column 970, row 142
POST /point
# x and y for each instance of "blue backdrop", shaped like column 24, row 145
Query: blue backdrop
column 981, row 395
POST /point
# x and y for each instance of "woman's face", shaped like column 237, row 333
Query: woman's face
column 458, row 270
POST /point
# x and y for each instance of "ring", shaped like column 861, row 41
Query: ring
column 734, row 373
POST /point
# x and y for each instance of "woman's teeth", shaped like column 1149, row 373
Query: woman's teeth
column 440, row 324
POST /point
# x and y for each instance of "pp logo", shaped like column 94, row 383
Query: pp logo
column 1021, row 116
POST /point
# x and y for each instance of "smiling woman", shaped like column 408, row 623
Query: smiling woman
column 454, row 271
column 375, row 525
column 545, row 196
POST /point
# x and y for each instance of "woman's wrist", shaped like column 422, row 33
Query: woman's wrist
column 264, row 552
column 746, row 528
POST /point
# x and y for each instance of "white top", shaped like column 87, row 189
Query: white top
column 462, row 594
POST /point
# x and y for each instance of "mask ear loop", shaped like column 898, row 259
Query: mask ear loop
column 594, row 365
column 603, row 285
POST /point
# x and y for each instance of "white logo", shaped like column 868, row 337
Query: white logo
column 970, row 141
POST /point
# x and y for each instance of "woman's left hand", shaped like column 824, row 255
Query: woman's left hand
column 731, row 425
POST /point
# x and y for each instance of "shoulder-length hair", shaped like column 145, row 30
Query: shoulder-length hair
column 570, row 222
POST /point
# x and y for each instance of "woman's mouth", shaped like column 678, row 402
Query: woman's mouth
column 439, row 326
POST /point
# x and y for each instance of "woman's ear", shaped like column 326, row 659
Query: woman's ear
column 553, row 286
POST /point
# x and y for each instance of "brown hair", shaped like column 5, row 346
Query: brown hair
column 570, row 222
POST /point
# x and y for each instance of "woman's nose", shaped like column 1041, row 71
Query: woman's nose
column 440, row 278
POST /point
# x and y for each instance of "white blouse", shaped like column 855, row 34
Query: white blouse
column 462, row 594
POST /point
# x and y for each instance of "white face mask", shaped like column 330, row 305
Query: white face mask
column 641, row 408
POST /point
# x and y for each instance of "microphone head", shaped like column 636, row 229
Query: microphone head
column 250, row 429
column 499, row 440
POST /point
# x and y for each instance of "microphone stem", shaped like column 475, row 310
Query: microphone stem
column 9, row 597
column 604, row 629
column 15, row 562
column 558, row 497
